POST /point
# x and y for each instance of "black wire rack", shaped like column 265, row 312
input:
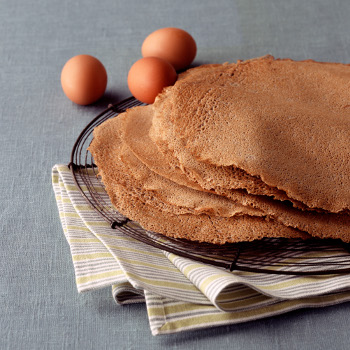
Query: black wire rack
column 269, row 255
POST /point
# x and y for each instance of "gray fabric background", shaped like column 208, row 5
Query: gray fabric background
column 40, row 308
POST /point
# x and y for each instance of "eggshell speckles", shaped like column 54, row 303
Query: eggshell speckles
column 84, row 79
column 172, row 44
column 148, row 76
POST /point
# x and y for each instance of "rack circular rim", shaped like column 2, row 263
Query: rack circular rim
column 265, row 256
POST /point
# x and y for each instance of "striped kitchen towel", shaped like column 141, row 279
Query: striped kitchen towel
column 180, row 294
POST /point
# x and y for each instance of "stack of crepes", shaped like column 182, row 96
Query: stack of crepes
column 236, row 152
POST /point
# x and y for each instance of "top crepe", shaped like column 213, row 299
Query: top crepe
column 283, row 121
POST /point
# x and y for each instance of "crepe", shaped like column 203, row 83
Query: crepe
column 201, row 216
column 135, row 133
column 134, row 128
column 282, row 121
column 118, row 165
column 202, row 228
column 207, row 175
column 235, row 152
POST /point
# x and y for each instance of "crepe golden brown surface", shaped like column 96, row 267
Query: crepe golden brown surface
column 220, row 158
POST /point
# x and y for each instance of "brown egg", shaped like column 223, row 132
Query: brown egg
column 148, row 76
column 172, row 44
column 84, row 79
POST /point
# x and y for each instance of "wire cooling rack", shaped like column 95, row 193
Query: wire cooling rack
column 269, row 255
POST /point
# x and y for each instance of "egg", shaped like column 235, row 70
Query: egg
column 84, row 79
column 148, row 76
column 172, row 44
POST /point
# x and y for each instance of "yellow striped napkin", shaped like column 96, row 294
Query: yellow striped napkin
column 180, row 294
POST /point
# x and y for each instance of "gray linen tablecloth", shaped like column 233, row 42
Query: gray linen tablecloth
column 40, row 306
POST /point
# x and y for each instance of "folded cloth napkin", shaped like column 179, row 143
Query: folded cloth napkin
column 180, row 294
